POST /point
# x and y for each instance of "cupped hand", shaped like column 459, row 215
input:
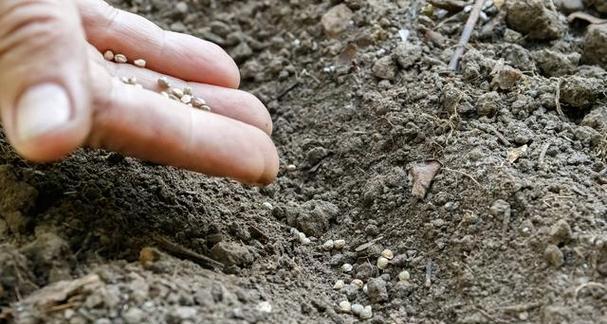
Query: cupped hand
column 57, row 93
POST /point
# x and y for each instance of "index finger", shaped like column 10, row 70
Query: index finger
column 182, row 56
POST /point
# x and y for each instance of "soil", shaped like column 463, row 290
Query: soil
column 488, row 184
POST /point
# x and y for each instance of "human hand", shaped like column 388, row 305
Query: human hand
column 58, row 93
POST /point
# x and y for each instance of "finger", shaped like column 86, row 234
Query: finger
column 146, row 125
column 45, row 101
column 180, row 55
column 228, row 102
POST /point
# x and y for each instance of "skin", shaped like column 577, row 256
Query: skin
column 60, row 42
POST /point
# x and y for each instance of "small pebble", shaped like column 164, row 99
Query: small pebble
column 140, row 63
column 382, row 262
column 267, row 205
column 328, row 245
column 339, row 244
column 358, row 283
column 108, row 55
column 367, row 312
column 120, row 58
column 339, row 284
column 357, row 309
column 387, row 254
column 164, row 83
column 345, row 306
column 404, row 276
column 346, row 267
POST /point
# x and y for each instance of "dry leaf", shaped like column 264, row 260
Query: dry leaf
column 422, row 175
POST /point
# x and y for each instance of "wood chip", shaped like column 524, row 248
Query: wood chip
column 422, row 175
column 140, row 63
column 120, row 58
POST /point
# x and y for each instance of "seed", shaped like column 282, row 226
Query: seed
column 177, row 92
column 186, row 99
column 346, row 267
column 339, row 244
column 291, row 167
column 303, row 239
column 367, row 312
column 382, row 262
column 358, row 283
column 328, row 245
column 357, row 309
column 206, row 108
column 120, row 58
column 266, row 204
column 108, row 55
column 404, row 276
column 339, row 284
column 140, row 63
column 365, row 289
column 387, row 254
column 187, row 91
column 198, row 102
column 164, row 83
column 345, row 306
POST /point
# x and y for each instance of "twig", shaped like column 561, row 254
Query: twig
column 428, row 282
column 557, row 99
column 461, row 46
column 588, row 285
column 185, row 253
column 543, row 154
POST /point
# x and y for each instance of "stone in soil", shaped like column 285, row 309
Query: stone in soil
column 487, row 103
column 553, row 63
column 580, row 92
column 230, row 253
column 337, row 19
column 560, row 232
column 377, row 290
column 595, row 45
column 385, row 68
column 532, row 18
column 312, row 217
column 554, row 256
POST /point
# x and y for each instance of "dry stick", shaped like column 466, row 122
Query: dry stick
column 557, row 99
column 461, row 46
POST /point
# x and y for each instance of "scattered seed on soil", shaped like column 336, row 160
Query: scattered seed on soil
column 120, row 58
column 164, row 83
column 382, row 262
column 339, row 284
column 339, row 244
column 404, row 276
column 140, row 63
column 267, row 205
column 291, row 167
column 346, row 267
column 388, row 254
column 366, row 289
column 328, row 245
column 357, row 309
column 345, row 306
column 108, row 55
column 358, row 283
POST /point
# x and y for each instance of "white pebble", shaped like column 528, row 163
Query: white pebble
column 367, row 312
column 382, row 262
column 346, row 267
column 345, row 306
column 339, row 244
column 267, row 205
column 358, row 283
column 339, row 284
column 357, row 309
column 404, row 276
column 328, row 245
column 388, row 254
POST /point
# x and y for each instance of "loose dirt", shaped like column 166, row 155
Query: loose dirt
column 509, row 224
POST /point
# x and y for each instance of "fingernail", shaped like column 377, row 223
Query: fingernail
column 42, row 109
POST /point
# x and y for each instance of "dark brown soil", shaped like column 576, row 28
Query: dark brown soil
column 513, row 228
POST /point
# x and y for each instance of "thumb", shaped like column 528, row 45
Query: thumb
column 44, row 88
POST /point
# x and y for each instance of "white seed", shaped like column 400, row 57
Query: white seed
column 198, row 102
column 382, row 262
column 303, row 239
column 177, row 92
column 328, row 245
column 108, row 55
column 186, row 99
column 140, row 63
column 339, row 284
column 358, row 283
column 187, row 91
column 357, row 309
column 206, row 108
column 345, row 306
column 365, row 289
column 404, row 276
column 339, row 244
column 388, row 254
column 164, row 83
column 291, row 167
column 367, row 312
column 294, row 231
column 267, row 205
column 120, row 58
column 346, row 267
